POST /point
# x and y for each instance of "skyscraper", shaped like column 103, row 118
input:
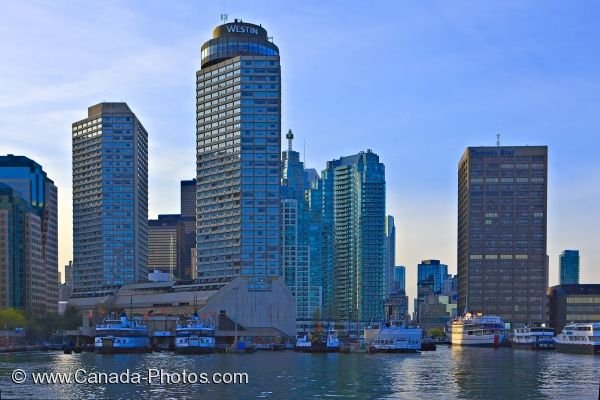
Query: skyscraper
column 434, row 271
column 399, row 279
column 390, row 254
column 188, row 218
column 32, row 189
column 569, row 267
column 165, row 244
column 301, row 275
column 238, row 157
column 110, row 198
column 502, row 221
column 354, row 190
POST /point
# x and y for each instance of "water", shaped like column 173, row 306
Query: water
column 448, row 373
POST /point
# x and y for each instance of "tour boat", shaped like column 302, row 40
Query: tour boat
column 477, row 330
column 579, row 338
column 393, row 339
column 330, row 344
column 534, row 338
column 123, row 335
column 195, row 336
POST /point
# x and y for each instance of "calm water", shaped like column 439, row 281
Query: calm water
column 448, row 373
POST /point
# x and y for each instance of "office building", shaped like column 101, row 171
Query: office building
column 31, row 184
column 166, row 237
column 399, row 281
column 390, row 253
column 354, row 190
column 110, row 198
column 573, row 303
column 432, row 270
column 569, row 267
column 300, row 274
column 238, row 157
column 502, row 222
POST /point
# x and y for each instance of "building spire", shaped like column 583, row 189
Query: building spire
column 289, row 137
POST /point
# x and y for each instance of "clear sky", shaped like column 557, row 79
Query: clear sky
column 416, row 82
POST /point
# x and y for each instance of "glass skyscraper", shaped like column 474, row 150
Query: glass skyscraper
column 353, row 189
column 569, row 267
column 110, row 198
column 238, row 157
column 502, row 222
column 390, row 254
column 434, row 271
column 28, row 236
column 301, row 273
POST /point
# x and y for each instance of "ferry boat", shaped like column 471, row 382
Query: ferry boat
column 195, row 336
column 477, row 330
column 534, row 338
column 579, row 338
column 329, row 344
column 393, row 339
column 123, row 335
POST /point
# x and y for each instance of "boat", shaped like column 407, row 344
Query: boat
column 579, row 338
column 477, row 330
column 123, row 335
column 328, row 344
column 195, row 336
column 393, row 339
column 533, row 338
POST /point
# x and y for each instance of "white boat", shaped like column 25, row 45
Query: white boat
column 123, row 335
column 533, row 338
column 329, row 344
column 195, row 336
column 393, row 339
column 477, row 330
column 579, row 338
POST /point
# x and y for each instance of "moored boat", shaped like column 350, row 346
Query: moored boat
column 533, row 338
column 579, row 338
column 123, row 335
column 477, row 330
column 328, row 344
column 393, row 339
column 195, row 336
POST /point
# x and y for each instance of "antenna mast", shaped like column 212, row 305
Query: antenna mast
column 224, row 18
column 498, row 140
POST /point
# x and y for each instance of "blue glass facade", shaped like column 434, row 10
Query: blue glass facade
column 238, row 161
column 110, row 198
column 352, row 191
column 432, row 270
column 569, row 267
column 399, row 279
column 30, row 184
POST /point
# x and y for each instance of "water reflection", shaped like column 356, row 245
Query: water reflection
column 448, row 373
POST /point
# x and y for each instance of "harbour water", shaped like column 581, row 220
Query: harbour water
column 448, row 373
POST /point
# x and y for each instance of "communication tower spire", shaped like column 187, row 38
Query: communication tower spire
column 498, row 139
column 289, row 137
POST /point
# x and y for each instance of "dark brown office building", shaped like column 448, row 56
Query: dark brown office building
column 502, row 221
column 573, row 303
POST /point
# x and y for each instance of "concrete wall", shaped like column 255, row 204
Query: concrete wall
column 256, row 309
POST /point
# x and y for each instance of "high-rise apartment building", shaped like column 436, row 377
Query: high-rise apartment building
column 238, row 157
column 353, row 201
column 569, row 267
column 502, row 222
column 399, row 280
column 31, row 222
column 110, row 198
column 390, row 254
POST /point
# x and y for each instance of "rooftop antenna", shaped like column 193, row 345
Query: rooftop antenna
column 498, row 140
column 224, row 18
column 289, row 137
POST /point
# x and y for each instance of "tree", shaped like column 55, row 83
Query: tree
column 436, row 332
column 11, row 318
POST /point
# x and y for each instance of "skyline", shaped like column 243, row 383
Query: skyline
column 458, row 85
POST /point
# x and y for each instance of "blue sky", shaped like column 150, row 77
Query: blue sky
column 416, row 82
